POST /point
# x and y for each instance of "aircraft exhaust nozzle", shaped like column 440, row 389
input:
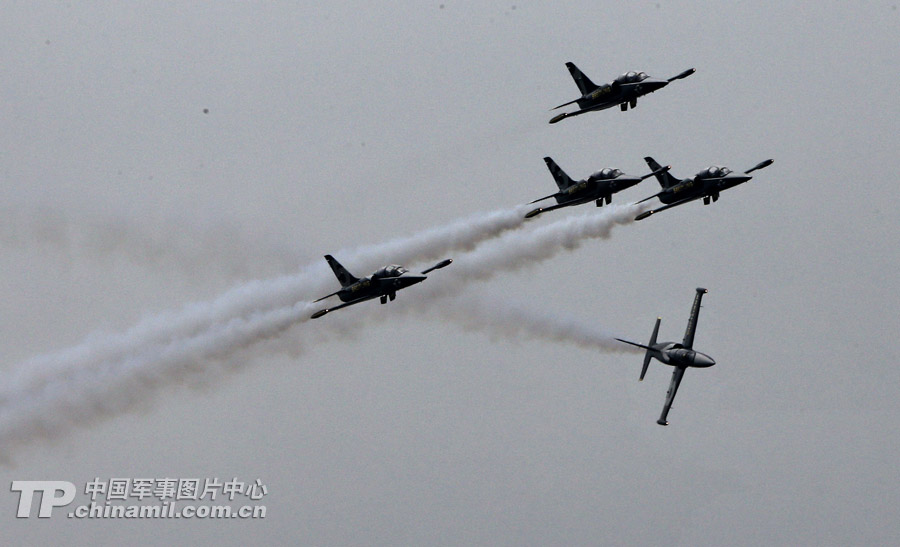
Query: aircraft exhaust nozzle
column 558, row 117
column 760, row 165
column 534, row 213
column 643, row 215
column 318, row 314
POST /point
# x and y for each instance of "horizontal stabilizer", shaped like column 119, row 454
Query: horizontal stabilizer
column 648, row 355
column 543, row 198
column 633, row 343
column 651, row 197
column 326, row 296
column 566, row 104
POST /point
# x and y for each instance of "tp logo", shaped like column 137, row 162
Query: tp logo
column 49, row 497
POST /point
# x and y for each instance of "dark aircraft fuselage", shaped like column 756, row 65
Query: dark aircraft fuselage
column 383, row 284
column 623, row 91
column 676, row 355
column 599, row 187
column 602, row 184
column 616, row 93
column 708, row 182
column 386, row 281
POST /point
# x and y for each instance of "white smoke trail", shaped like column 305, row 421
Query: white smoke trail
column 83, row 395
column 516, row 320
column 144, row 351
column 508, row 253
column 111, row 373
column 260, row 296
column 517, row 250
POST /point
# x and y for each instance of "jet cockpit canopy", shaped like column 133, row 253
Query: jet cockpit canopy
column 392, row 270
column 632, row 77
column 714, row 171
column 607, row 173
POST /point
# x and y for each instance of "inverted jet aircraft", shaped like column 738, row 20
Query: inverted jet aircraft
column 383, row 283
column 598, row 187
column 623, row 91
column 681, row 356
column 706, row 184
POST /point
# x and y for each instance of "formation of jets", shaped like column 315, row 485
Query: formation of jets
column 599, row 188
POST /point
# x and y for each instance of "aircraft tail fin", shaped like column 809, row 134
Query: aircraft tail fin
column 585, row 85
column 563, row 180
column 648, row 355
column 344, row 277
column 666, row 180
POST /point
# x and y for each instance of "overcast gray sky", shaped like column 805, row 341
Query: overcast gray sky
column 339, row 125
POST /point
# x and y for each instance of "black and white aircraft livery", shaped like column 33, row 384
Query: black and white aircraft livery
column 623, row 91
column 383, row 283
column 598, row 187
column 706, row 184
column 681, row 356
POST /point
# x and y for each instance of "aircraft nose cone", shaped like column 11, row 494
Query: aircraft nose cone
column 703, row 360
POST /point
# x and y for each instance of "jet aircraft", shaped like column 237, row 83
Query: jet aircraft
column 622, row 91
column 706, row 184
column 383, row 283
column 598, row 187
column 681, row 356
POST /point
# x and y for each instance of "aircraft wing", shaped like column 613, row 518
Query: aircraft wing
column 602, row 106
column 320, row 313
column 692, row 322
column 670, row 395
column 539, row 210
column 669, row 206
